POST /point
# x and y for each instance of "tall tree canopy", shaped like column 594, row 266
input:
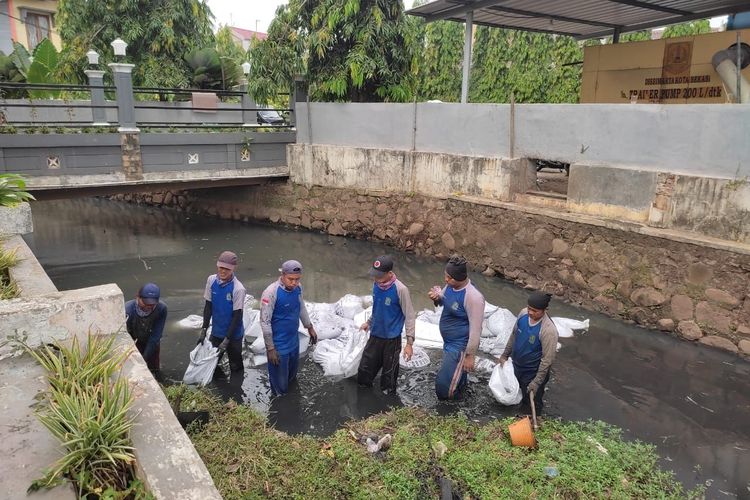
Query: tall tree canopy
column 440, row 64
column 159, row 33
column 349, row 50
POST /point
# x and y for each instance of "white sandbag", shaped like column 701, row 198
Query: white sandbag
column 419, row 359
column 203, row 360
column 501, row 322
column 484, row 366
column 320, row 307
column 192, row 321
column 258, row 346
column 430, row 316
column 340, row 357
column 366, row 301
column 250, row 303
column 253, row 331
column 504, row 385
column 349, row 306
column 328, row 325
column 489, row 309
column 250, row 317
column 486, row 344
column 361, row 317
column 427, row 335
column 352, row 354
column 566, row 326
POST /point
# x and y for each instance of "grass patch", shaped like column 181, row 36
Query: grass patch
column 86, row 408
column 248, row 459
column 8, row 288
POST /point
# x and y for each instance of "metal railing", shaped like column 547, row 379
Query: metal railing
column 127, row 110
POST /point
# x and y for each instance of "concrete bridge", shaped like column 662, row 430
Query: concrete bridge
column 66, row 165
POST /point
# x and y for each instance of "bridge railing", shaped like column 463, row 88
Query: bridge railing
column 42, row 107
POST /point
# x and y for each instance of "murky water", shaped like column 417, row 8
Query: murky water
column 692, row 402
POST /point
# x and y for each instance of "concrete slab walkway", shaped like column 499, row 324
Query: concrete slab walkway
column 27, row 448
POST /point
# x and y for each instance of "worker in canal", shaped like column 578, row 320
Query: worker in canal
column 460, row 327
column 532, row 347
column 281, row 310
column 391, row 310
column 145, row 317
column 225, row 298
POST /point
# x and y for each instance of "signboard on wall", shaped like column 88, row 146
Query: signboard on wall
column 667, row 71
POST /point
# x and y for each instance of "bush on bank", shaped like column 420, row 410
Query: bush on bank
column 249, row 459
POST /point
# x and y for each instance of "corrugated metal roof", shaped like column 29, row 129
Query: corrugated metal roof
column 578, row 18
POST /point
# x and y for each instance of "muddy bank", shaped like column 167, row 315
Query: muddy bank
column 694, row 292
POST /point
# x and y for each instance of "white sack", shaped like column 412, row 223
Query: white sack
column 328, row 325
column 565, row 326
column 340, row 357
column 203, row 360
column 430, row 316
column 504, row 385
column 484, row 366
column 349, row 306
column 419, row 359
column 192, row 321
column 261, row 358
column 427, row 335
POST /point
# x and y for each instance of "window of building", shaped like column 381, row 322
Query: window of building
column 37, row 27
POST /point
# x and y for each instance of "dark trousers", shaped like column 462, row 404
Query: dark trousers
column 451, row 379
column 524, row 379
column 234, row 352
column 380, row 353
column 281, row 375
column 153, row 361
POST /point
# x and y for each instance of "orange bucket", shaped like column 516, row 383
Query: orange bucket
column 522, row 433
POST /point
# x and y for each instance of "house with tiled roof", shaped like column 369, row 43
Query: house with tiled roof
column 244, row 37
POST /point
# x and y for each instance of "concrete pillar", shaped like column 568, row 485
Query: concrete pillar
column 122, row 75
column 132, row 161
column 98, row 114
column 299, row 94
column 249, row 118
column 467, row 56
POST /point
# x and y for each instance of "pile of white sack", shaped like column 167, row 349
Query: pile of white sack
column 341, row 342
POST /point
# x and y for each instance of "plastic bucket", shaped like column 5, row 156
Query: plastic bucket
column 522, row 433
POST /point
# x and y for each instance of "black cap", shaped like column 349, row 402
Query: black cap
column 539, row 300
column 381, row 266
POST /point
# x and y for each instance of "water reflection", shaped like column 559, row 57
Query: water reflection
column 692, row 402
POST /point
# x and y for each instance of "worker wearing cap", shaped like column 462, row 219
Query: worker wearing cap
column 460, row 327
column 225, row 297
column 532, row 347
column 145, row 319
column 391, row 310
column 281, row 310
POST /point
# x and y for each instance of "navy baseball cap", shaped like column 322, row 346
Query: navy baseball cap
column 149, row 293
column 381, row 266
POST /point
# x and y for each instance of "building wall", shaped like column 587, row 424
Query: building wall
column 668, row 71
column 16, row 10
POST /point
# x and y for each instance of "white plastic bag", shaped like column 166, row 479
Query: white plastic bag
column 349, row 306
column 419, row 359
column 565, row 326
column 484, row 366
column 203, row 360
column 427, row 335
column 192, row 321
column 340, row 357
column 504, row 385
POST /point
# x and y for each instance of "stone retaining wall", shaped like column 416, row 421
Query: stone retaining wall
column 698, row 292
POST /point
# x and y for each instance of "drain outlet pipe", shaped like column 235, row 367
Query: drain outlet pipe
column 725, row 64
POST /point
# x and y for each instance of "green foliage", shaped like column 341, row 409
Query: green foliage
column 532, row 66
column 13, row 190
column 687, row 29
column 88, row 413
column 210, row 70
column 352, row 50
column 8, row 288
column 440, row 64
column 14, row 68
column 159, row 34
column 42, row 70
column 248, row 459
column 21, row 58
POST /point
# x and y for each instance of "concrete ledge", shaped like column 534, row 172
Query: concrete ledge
column 166, row 459
column 16, row 220
column 60, row 315
column 632, row 227
column 28, row 273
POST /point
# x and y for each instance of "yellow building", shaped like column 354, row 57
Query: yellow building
column 27, row 22
column 666, row 71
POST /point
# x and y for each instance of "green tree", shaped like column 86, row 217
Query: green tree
column 440, row 64
column 158, row 33
column 534, row 67
column 348, row 50
column 687, row 29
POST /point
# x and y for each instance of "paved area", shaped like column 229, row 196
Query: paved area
column 26, row 447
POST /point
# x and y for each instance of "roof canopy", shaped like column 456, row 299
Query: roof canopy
column 578, row 18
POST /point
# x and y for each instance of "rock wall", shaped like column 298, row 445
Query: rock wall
column 699, row 293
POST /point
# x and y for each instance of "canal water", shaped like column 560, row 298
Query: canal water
column 692, row 402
